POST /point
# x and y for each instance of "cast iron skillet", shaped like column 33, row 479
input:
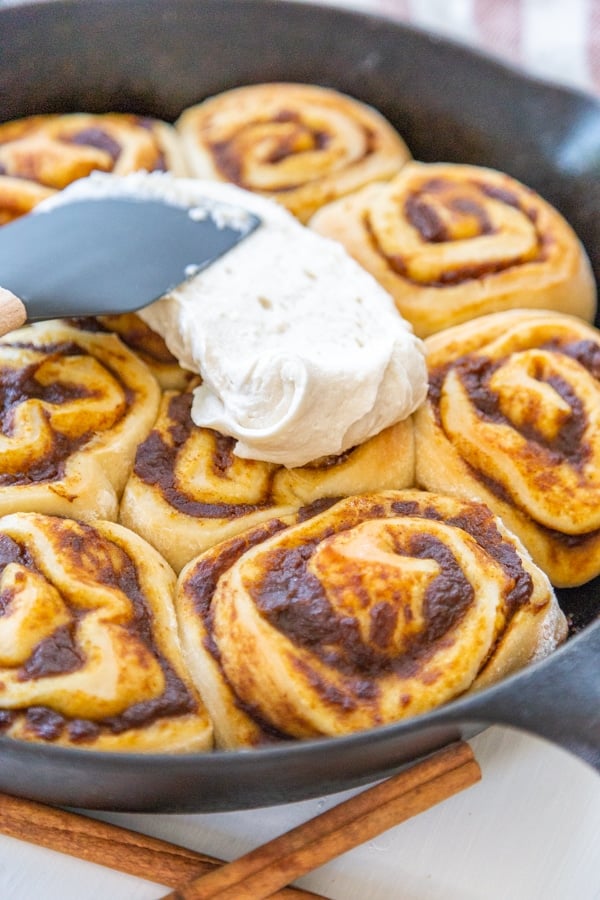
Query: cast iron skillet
column 157, row 56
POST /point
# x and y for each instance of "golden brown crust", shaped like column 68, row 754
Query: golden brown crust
column 188, row 491
column 42, row 154
column 18, row 197
column 513, row 419
column 382, row 607
column 73, row 408
column 89, row 653
column 146, row 344
column 300, row 144
column 452, row 242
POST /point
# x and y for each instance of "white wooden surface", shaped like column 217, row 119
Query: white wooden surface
column 530, row 830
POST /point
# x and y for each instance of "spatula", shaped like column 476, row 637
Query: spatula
column 108, row 255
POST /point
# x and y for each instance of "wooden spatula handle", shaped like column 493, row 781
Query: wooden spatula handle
column 12, row 311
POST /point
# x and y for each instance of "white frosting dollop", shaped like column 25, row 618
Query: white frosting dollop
column 302, row 353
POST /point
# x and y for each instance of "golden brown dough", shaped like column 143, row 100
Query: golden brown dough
column 146, row 343
column 89, row 653
column 73, row 408
column 40, row 155
column 188, row 491
column 452, row 242
column 300, row 144
column 18, row 196
column 513, row 419
column 383, row 607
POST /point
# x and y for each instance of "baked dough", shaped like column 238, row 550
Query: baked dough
column 73, row 408
column 146, row 343
column 383, row 607
column 42, row 154
column 300, row 144
column 513, row 419
column 89, row 653
column 452, row 242
column 188, row 491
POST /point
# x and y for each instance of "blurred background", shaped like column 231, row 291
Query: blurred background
column 558, row 40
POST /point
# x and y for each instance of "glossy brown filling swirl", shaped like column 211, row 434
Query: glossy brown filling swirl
column 522, row 413
column 444, row 216
column 383, row 606
column 106, row 140
column 295, row 601
column 293, row 137
column 159, row 463
column 54, row 150
column 191, row 467
column 266, row 154
column 51, row 406
column 79, row 654
column 133, row 331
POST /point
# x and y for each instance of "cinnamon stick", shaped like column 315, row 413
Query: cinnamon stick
column 262, row 872
column 111, row 846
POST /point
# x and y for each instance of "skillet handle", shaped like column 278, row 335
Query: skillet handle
column 558, row 699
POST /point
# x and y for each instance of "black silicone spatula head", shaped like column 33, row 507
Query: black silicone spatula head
column 112, row 254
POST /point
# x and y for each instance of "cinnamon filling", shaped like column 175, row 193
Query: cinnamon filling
column 422, row 214
column 17, row 386
column 60, row 654
column 568, row 444
column 95, row 137
column 294, row 601
column 156, row 463
column 231, row 164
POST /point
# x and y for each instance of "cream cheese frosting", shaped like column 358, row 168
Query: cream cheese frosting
column 302, row 353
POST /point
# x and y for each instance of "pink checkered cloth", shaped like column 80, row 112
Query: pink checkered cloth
column 557, row 40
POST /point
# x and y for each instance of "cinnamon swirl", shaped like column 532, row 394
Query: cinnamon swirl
column 146, row 343
column 452, row 242
column 300, row 144
column 513, row 418
column 189, row 491
column 73, row 408
column 42, row 154
column 89, row 653
column 383, row 607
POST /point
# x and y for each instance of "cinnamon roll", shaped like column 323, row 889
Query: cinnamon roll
column 73, row 408
column 300, row 144
column 383, row 607
column 452, row 242
column 43, row 154
column 145, row 343
column 513, row 418
column 189, row 491
column 89, row 653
